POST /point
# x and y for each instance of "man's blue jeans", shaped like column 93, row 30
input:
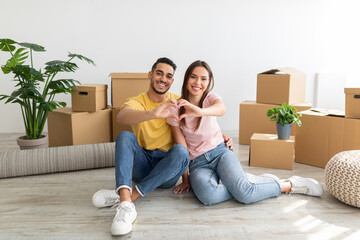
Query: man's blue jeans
column 222, row 164
column 149, row 169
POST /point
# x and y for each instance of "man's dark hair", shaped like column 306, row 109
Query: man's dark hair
column 166, row 61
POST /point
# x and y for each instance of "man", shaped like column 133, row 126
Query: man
column 148, row 155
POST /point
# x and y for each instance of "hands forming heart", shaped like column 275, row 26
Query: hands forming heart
column 191, row 109
column 163, row 110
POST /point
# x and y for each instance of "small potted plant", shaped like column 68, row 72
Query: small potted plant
column 284, row 117
column 35, row 89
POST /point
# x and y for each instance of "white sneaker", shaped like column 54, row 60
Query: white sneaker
column 105, row 198
column 124, row 218
column 265, row 177
column 307, row 186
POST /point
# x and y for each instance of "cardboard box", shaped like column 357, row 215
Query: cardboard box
column 66, row 127
column 323, row 134
column 266, row 150
column 282, row 85
column 253, row 119
column 89, row 98
column 125, row 85
column 352, row 102
column 117, row 127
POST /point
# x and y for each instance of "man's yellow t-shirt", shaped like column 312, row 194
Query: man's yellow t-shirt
column 155, row 133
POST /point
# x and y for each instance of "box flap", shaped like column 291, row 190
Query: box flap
column 90, row 88
column 283, row 70
column 324, row 112
column 352, row 90
column 128, row 75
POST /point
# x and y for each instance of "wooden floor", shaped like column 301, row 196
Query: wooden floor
column 58, row 206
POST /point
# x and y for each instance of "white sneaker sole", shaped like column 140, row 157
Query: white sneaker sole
column 116, row 232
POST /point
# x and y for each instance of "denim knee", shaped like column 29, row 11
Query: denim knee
column 125, row 135
column 181, row 154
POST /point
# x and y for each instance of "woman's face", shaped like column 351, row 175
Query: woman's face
column 198, row 82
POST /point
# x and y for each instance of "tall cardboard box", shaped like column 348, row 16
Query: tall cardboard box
column 125, row 85
column 281, row 85
column 352, row 102
column 89, row 97
column 266, row 150
column 116, row 127
column 66, row 127
column 323, row 134
column 253, row 119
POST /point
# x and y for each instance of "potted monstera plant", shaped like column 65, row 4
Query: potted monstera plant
column 36, row 88
column 284, row 117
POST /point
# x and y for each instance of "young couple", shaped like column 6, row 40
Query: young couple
column 168, row 131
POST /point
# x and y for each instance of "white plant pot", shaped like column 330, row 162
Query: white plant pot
column 25, row 143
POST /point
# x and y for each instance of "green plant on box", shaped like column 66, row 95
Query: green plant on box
column 35, row 89
column 286, row 114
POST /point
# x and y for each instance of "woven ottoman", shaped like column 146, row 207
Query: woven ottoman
column 342, row 177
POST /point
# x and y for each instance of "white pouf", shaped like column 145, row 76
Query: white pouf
column 342, row 177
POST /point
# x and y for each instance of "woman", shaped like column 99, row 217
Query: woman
column 210, row 160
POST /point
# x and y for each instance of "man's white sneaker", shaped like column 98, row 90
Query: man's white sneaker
column 307, row 186
column 124, row 218
column 105, row 198
column 265, row 177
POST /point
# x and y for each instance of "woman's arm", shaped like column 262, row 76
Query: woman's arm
column 180, row 139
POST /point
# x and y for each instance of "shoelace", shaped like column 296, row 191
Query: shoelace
column 123, row 212
column 111, row 199
column 296, row 189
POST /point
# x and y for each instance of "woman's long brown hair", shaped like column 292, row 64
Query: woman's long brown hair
column 185, row 92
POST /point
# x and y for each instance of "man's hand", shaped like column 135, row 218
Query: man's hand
column 228, row 141
column 163, row 110
column 191, row 109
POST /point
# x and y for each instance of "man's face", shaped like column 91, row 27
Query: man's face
column 161, row 78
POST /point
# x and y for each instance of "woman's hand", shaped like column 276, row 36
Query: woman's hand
column 228, row 141
column 182, row 187
column 191, row 109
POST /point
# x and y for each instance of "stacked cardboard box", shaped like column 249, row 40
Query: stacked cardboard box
column 253, row 119
column 325, row 133
column 88, row 122
column 270, row 152
column 124, row 86
column 352, row 102
column 274, row 87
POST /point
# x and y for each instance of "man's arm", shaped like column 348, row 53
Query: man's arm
column 129, row 116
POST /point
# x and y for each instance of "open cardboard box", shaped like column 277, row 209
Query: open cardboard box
column 323, row 134
column 281, row 85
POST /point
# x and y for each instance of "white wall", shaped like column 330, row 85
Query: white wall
column 237, row 38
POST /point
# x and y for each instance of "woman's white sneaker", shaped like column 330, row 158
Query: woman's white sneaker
column 105, row 198
column 124, row 218
column 307, row 186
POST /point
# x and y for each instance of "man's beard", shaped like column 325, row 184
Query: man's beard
column 158, row 92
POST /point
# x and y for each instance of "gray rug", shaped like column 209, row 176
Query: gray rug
column 56, row 159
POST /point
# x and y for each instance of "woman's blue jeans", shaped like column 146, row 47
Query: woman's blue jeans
column 221, row 163
column 149, row 169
